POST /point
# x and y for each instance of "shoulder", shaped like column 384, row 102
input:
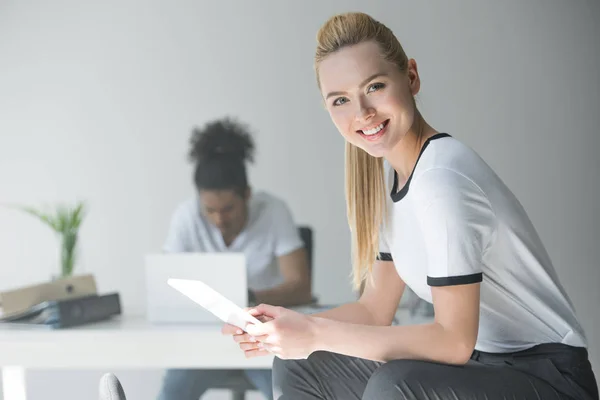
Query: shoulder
column 186, row 210
column 451, row 153
column 268, row 205
column 445, row 194
column 444, row 181
column 450, row 167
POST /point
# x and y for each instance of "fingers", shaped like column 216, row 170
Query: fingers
column 270, row 348
column 250, row 346
column 266, row 309
column 264, row 318
column 244, row 337
column 253, row 311
column 266, row 328
column 248, row 338
column 228, row 329
column 261, row 317
column 256, row 353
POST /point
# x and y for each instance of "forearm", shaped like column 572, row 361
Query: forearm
column 354, row 313
column 384, row 343
column 285, row 295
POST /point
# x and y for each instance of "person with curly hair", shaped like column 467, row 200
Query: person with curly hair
column 225, row 215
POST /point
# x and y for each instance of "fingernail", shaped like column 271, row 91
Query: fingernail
column 260, row 345
column 239, row 332
column 252, row 339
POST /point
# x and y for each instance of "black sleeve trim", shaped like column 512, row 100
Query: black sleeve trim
column 385, row 257
column 455, row 280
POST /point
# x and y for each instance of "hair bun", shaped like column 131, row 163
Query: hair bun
column 223, row 138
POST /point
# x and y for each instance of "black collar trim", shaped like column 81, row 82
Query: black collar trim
column 398, row 195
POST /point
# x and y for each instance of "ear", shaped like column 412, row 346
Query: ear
column 414, row 80
column 247, row 193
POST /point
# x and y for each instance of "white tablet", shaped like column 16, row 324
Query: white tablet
column 223, row 308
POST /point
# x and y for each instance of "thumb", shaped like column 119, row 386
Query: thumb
column 266, row 309
column 256, row 329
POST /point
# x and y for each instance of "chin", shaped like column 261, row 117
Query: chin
column 376, row 151
column 377, row 154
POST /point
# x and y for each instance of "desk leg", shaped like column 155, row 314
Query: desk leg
column 13, row 383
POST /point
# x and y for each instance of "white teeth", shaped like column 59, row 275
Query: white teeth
column 374, row 130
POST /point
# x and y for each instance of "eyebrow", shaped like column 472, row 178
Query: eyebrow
column 363, row 83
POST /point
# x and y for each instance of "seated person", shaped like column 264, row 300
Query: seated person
column 226, row 215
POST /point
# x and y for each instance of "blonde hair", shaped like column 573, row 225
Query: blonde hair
column 365, row 180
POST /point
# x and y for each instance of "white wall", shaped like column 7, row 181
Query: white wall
column 97, row 100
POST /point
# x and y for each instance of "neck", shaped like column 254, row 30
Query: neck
column 228, row 239
column 404, row 155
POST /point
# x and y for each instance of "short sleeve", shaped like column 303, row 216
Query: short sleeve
column 287, row 236
column 385, row 253
column 175, row 241
column 457, row 223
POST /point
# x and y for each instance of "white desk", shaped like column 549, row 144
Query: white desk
column 124, row 342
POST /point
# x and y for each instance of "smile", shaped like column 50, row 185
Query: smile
column 375, row 132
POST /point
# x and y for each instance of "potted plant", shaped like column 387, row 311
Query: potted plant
column 65, row 221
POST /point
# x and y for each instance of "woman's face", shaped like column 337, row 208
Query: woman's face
column 369, row 99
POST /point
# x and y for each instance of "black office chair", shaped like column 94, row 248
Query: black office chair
column 238, row 384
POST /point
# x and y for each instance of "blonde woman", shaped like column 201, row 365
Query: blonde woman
column 441, row 222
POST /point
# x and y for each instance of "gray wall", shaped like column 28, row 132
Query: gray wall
column 97, row 100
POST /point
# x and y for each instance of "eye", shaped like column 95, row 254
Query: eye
column 375, row 86
column 339, row 101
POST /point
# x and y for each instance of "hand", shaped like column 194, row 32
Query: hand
column 247, row 343
column 288, row 335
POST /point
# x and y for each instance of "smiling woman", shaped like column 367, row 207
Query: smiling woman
column 440, row 221
column 372, row 114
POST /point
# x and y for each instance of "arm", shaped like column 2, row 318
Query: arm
column 175, row 241
column 449, row 339
column 457, row 222
column 296, row 287
column 292, row 259
column 378, row 302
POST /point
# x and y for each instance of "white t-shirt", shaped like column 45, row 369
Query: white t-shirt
column 455, row 222
column 269, row 233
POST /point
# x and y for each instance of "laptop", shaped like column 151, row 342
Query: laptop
column 224, row 272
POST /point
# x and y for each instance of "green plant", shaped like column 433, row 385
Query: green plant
column 65, row 221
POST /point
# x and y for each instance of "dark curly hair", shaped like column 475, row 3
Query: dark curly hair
column 220, row 150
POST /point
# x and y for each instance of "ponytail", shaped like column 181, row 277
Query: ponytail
column 366, row 209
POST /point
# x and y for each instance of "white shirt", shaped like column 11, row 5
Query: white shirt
column 269, row 233
column 455, row 222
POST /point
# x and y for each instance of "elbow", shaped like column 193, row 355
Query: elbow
column 461, row 353
column 303, row 292
column 462, row 356
column 307, row 292
column 459, row 344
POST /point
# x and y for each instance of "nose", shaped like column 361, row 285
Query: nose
column 364, row 111
column 218, row 220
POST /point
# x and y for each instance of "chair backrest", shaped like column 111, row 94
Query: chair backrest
column 306, row 233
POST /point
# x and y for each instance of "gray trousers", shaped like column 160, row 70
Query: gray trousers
column 191, row 384
column 547, row 372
